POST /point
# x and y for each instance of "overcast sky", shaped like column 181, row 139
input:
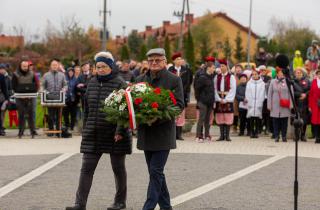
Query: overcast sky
column 32, row 15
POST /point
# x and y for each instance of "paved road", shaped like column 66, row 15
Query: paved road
column 243, row 174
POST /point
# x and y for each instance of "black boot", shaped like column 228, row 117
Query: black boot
column 20, row 134
column 76, row 207
column 221, row 138
column 227, row 132
column 117, row 206
column 179, row 133
column 303, row 137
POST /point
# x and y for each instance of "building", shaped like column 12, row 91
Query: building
column 11, row 41
column 229, row 27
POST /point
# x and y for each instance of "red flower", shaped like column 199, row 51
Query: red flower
column 157, row 91
column 173, row 99
column 155, row 105
column 137, row 101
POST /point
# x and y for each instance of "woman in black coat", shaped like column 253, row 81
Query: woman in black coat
column 301, row 91
column 100, row 136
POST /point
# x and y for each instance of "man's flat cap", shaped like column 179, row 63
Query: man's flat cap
column 156, row 51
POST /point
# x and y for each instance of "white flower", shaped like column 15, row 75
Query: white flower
column 140, row 88
column 109, row 100
column 122, row 107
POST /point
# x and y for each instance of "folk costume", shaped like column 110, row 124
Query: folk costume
column 225, row 90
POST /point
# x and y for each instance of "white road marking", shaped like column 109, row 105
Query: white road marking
column 33, row 174
column 225, row 180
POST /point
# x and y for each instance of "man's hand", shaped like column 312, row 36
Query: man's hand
column 118, row 137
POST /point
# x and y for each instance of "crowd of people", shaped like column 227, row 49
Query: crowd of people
column 257, row 99
column 244, row 99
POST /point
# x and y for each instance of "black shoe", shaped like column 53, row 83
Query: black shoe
column 317, row 141
column 276, row 139
column 273, row 137
column 256, row 136
column 35, row 133
column 49, row 134
column 117, row 206
column 284, row 139
column 241, row 134
column 2, row 133
column 76, row 207
column 167, row 209
column 303, row 138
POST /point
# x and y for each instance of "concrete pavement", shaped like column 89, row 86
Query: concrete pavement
column 244, row 174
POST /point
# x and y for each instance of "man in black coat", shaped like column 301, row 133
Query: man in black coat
column 204, row 89
column 82, row 82
column 158, row 139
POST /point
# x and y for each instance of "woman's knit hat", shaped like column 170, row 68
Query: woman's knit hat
column 105, row 57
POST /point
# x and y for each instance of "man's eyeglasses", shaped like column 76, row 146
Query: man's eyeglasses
column 157, row 61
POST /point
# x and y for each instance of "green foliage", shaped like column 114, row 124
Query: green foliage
column 239, row 53
column 205, row 47
column 143, row 52
column 227, row 50
column 167, row 48
column 37, row 47
column 124, row 52
column 189, row 50
column 152, row 42
column 134, row 44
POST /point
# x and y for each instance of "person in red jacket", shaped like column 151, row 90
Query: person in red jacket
column 314, row 105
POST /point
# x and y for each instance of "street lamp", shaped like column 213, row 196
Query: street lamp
column 249, row 36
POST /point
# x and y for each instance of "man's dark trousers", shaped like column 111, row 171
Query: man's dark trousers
column 157, row 190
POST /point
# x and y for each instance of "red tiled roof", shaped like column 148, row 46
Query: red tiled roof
column 174, row 29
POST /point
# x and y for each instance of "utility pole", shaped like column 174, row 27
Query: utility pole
column 123, row 31
column 181, row 16
column 249, row 37
column 104, row 30
column 188, row 10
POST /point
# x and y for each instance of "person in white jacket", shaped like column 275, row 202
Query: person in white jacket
column 255, row 95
